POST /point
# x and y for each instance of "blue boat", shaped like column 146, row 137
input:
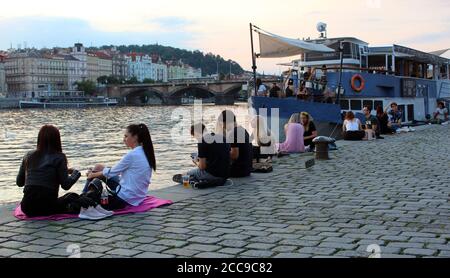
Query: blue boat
column 335, row 75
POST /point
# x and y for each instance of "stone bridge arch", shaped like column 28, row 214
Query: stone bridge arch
column 193, row 92
column 233, row 91
column 144, row 96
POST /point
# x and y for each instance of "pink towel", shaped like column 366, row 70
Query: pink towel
column 294, row 140
column 148, row 204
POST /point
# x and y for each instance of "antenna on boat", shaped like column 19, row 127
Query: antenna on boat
column 322, row 29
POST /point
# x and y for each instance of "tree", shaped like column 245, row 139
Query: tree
column 87, row 86
column 148, row 81
column 102, row 79
column 132, row 80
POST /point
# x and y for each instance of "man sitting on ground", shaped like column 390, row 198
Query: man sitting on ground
column 441, row 114
column 396, row 117
column 213, row 157
column 371, row 123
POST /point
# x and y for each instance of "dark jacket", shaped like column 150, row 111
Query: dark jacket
column 50, row 172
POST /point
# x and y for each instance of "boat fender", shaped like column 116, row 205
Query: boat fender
column 362, row 83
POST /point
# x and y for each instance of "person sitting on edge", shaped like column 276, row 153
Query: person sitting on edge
column 310, row 130
column 275, row 91
column 213, row 159
column 131, row 177
column 352, row 128
column 263, row 141
column 396, row 116
column 294, row 136
column 441, row 114
column 289, row 92
column 41, row 174
column 262, row 89
column 383, row 121
column 371, row 125
column 241, row 153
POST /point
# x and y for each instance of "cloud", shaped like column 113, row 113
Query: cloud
column 55, row 31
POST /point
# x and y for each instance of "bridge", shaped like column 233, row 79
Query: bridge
column 175, row 93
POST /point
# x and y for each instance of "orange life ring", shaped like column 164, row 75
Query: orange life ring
column 362, row 82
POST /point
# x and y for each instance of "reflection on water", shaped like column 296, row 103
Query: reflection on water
column 95, row 136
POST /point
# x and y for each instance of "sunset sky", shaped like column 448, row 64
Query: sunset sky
column 221, row 27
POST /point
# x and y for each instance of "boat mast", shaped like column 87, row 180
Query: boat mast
column 253, row 59
column 341, row 51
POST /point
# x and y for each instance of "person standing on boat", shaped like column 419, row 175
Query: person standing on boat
column 241, row 152
column 262, row 89
column 42, row 173
column 310, row 130
column 294, row 136
column 352, row 128
column 396, row 117
column 275, row 91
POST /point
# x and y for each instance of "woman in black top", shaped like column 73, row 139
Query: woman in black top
column 41, row 174
column 383, row 120
column 310, row 129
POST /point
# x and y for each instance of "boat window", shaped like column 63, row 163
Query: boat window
column 368, row 103
column 410, row 112
column 345, row 104
column 355, row 104
column 378, row 103
column 402, row 108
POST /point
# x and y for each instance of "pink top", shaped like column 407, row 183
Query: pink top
column 294, row 140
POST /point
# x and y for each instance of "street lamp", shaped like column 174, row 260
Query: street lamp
column 341, row 52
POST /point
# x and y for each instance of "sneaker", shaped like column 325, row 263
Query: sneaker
column 178, row 178
column 92, row 214
column 100, row 209
column 410, row 129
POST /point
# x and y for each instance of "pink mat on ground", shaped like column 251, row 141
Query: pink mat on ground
column 148, row 204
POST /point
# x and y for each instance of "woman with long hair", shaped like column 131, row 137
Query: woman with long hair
column 310, row 129
column 383, row 120
column 294, row 136
column 263, row 141
column 130, row 178
column 41, row 174
column 352, row 128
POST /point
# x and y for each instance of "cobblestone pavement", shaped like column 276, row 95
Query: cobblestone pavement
column 393, row 192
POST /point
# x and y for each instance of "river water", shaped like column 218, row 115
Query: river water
column 93, row 136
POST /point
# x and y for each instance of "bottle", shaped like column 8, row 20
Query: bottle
column 104, row 200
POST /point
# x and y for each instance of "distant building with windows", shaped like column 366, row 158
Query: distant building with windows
column 99, row 63
column 143, row 67
column 179, row 70
column 3, row 87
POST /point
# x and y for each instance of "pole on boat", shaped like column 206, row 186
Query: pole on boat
column 254, row 67
column 341, row 51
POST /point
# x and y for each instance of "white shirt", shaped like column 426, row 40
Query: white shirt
column 262, row 90
column 352, row 125
column 135, row 176
column 441, row 113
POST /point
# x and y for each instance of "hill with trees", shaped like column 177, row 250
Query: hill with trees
column 197, row 59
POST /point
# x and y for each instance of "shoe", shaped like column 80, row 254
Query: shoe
column 178, row 178
column 92, row 214
column 100, row 209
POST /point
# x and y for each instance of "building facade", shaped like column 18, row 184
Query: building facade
column 99, row 64
column 180, row 70
column 144, row 67
column 3, row 87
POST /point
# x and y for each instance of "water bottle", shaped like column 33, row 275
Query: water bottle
column 104, row 200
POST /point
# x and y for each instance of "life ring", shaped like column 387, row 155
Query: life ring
column 362, row 82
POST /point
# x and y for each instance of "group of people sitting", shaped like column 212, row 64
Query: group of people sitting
column 44, row 170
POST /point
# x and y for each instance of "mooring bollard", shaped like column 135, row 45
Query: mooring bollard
column 321, row 144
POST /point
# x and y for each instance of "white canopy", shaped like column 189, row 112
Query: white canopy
column 273, row 46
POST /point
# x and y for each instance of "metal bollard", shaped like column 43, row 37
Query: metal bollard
column 321, row 143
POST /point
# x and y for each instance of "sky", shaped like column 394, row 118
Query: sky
column 222, row 27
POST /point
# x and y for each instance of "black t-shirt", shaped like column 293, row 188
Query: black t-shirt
column 239, row 138
column 312, row 128
column 370, row 122
column 289, row 92
column 217, row 153
column 273, row 92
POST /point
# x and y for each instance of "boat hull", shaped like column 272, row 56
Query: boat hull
column 31, row 104
column 327, row 117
